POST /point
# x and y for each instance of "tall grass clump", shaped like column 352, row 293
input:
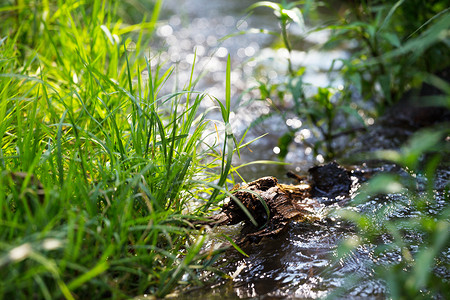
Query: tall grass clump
column 99, row 170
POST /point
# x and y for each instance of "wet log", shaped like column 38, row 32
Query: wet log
column 273, row 205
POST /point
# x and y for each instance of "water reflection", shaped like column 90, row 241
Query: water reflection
column 299, row 265
column 196, row 30
column 302, row 263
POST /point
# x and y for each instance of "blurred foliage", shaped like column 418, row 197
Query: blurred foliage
column 30, row 20
column 412, row 224
column 394, row 47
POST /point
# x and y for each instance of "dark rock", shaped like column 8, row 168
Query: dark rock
column 330, row 180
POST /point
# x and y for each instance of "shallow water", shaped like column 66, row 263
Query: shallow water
column 299, row 263
column 201, row 29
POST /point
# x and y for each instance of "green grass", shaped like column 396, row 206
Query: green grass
column 99, row 169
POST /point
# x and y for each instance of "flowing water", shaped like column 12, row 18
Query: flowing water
column 209, row 31
column 299, row 263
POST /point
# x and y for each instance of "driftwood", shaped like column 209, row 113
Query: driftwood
column 273, row 205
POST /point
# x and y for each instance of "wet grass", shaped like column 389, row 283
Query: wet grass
column 101, row 173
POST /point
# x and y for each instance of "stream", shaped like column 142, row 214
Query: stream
column 207, row 32
column 299, row 263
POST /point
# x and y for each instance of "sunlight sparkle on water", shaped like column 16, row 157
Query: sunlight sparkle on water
column 320, row 158
column 186, row 44
column 241, row 52
column 294, row 123
column 265, row 110
column 283, row 53
column 249, row 51
column 306, row 133
column 222, row 52
column 200, row 50
column 175, row 57
column 164, row 31
column 190, row 58
column 272, row 74
column 242, row 25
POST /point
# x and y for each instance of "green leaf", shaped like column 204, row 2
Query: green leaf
column 390, row 14
column 295, row 15
column 228, row 89
column 392, row 38
column 438, row 32
column 85, row 277
column 382, row 183
column 234, row 245
column 283, row 143
column 272, row 5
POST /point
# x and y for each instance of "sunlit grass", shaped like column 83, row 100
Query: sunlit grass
column 98, row 168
